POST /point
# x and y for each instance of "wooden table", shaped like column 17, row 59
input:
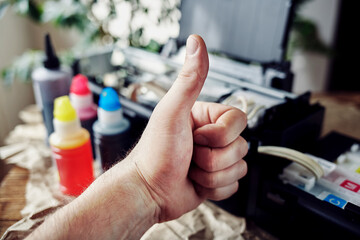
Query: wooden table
column 342, row 115
column 12, row 197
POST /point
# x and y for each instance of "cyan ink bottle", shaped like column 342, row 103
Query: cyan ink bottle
column 82, row 100
column 111, row 130
column 49, row 82
column 71, row 148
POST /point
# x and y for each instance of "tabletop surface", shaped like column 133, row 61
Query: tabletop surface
column 342, row 114
column 12, row 197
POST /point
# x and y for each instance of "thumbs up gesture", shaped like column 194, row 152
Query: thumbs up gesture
column 190, row 151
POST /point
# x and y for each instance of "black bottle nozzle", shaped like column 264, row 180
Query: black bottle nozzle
column 51, row 61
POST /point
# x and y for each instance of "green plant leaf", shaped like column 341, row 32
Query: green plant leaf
column 153, row 46
column 4, row 6
column 7, row 76
column 306, row 36
column 35, row 11
column 22, row 67
column 29, row 8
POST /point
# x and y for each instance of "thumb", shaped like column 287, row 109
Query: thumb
column 186, row 88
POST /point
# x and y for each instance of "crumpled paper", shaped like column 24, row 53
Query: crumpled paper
column 26, row 148
column 205, row 222
column 26, row 225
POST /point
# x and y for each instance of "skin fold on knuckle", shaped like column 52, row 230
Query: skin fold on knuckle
column 242, row 119
column 221, row 136
column 204, row 158
column 210, row 180
column 218, row 194
column 242, row 147
column 189, row 81
column 208, row 193
column 215, row 195
column 235, row 121
column 242, row 169
column 211, row 164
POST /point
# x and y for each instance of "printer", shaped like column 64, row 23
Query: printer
column 247, row 41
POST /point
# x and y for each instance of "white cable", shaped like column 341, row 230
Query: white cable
column 245, row 105
column 255, row 110
column 294, row 156
column 233, row 100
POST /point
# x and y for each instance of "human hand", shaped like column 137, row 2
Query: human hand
column 190, row 151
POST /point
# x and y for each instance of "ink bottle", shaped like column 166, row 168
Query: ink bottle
column 49, row 82
column 82, row 100
column 71, row 148
column 111, row 130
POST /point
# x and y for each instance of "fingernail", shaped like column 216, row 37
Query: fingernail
column 191, row 45
column 201, row 140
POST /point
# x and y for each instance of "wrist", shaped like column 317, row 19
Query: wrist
column 123, row 201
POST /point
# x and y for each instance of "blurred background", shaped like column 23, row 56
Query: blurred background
column 322, row 46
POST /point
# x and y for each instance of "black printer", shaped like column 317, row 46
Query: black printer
column 247, row 41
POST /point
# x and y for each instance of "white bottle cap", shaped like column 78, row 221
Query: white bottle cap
column 68, row 128
column 81, row 101
column 110, row 118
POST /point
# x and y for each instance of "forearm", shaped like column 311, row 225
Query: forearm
column 116, row 206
